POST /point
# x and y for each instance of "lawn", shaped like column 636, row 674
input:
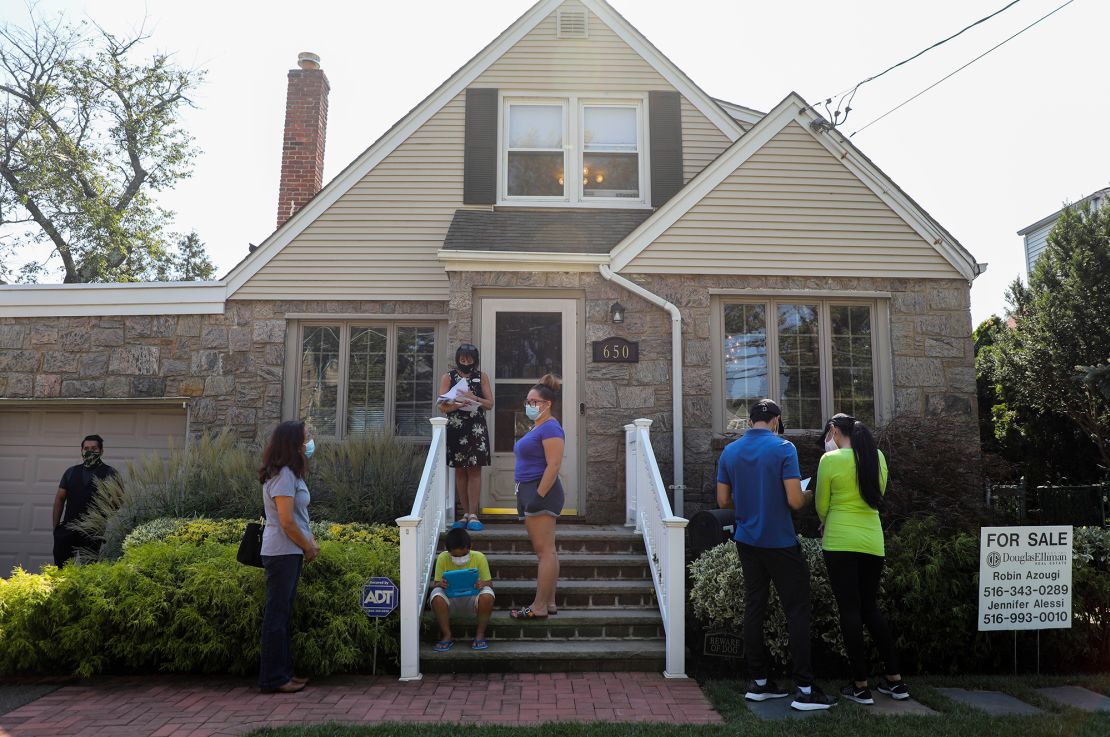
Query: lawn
column 843, row 720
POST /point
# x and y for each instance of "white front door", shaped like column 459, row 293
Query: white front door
column 523, row 339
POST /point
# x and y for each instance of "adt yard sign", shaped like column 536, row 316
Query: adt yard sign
column 1025, row 578
column 379, row 597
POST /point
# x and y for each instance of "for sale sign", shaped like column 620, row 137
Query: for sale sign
column 1025, row 578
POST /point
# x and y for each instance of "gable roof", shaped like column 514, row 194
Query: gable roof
column 447, row 91
column 1056, row 215
column 794, row 109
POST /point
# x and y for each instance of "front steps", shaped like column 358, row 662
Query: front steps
column 608, row 618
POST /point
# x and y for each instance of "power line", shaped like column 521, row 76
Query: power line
column 965, row 66
column 855, row 88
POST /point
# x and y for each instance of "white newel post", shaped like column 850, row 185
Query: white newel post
column 675, row 576
column 410, row 602
column 630, row 465
column 643, row 481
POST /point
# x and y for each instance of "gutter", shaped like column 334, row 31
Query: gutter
column 676, row 373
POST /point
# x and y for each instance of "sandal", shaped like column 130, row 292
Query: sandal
column 526, row 613
column 443, row 646
column 479, row 645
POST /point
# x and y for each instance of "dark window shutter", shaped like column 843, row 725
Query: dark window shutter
column 480, row 148
column 665, row 124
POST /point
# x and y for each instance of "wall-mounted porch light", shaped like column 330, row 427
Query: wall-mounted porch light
column 616, row 312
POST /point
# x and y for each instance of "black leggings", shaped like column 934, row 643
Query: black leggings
column 854, row 578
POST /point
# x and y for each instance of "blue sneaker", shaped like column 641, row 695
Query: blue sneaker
column 474, row 525
column 459, row 523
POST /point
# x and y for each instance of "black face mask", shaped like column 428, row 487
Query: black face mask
column 464, row 369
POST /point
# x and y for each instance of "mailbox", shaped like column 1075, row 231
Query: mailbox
column 707, row 529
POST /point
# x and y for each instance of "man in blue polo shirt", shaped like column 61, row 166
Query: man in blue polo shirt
column 758, row 477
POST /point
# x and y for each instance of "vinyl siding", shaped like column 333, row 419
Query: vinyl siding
column 379, row 240
column 702, row 141
column 792, row 209
column 1035, row 243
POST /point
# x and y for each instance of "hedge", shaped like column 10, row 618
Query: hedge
column 183, row 604
column 930, row 594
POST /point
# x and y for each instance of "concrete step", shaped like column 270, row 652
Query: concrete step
column 546, row 656
column 569, row 538
column 635, row 594
column 572, row 566
column 568, row 624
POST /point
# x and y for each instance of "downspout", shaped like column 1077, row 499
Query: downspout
column 676, row 373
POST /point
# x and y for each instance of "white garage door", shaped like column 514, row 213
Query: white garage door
column 39, row 441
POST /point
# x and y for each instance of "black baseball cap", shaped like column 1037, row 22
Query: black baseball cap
column 764, row 411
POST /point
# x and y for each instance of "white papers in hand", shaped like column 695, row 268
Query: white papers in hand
column 805, row 483
column 452, row 395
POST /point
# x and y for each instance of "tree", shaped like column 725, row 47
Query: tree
column 1061, row 327
column 189, row 262
column 89, row 133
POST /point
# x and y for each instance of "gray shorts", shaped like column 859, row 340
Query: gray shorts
column 529, row 503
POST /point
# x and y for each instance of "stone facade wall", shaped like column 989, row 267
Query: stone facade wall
column 933, row 363
column 231, row 366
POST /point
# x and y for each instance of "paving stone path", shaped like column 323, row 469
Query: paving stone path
column 776, row 709
column 994, row 703
column 181, row 707
column 1077, row 697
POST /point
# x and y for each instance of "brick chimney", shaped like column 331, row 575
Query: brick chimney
column 302, row 148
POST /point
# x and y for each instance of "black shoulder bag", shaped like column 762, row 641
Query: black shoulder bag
column 250, row 547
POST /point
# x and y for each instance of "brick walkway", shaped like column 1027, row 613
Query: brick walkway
column 182, row 707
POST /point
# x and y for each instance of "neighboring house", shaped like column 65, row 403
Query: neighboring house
column 798, row 270
column 1036, row 235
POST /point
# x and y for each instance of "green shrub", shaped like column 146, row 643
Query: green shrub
column 716, row 595
column 370, row 478
column 230, row 531
column 176, row 607
column 930, row 595
column 216, row 476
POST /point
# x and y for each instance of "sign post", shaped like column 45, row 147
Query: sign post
column 1025, row 579
column 378, row 599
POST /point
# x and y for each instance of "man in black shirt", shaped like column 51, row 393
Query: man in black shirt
column 75, row 492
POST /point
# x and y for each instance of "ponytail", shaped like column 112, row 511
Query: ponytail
column 548, row 387
column 866, row 453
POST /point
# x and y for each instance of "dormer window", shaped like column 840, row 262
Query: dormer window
column 543, row 139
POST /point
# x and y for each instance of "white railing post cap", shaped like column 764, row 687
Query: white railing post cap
column 629, row 427
column 410, row 520
column 642, row 422
column 437, row 421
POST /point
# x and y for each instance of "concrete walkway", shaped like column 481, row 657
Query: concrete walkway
column 163, row 706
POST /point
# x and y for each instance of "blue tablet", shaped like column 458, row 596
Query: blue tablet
column 461, row 582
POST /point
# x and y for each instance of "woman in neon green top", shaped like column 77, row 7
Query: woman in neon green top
column 851, row 482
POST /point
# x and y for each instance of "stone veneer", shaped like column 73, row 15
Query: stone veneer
column 933, row 362
column 230, row 366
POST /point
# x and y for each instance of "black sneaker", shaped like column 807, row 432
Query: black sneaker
column 812, row 701
column 893, row 689
column 858, row 695
column 764, row 692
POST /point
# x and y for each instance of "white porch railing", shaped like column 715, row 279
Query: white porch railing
column 647, row 507
column 435, row 499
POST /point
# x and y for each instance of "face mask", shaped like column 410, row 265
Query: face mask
column 91, row 457
column 309, row 448
column 830, row 446
column 532, row 412
column 465, row 368
column 460, row 559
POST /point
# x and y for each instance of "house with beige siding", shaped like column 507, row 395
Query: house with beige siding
column 569, row 201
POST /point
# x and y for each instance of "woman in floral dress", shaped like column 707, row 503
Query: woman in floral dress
column 468, row 441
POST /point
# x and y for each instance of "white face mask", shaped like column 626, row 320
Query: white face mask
column 830, row 446
column 460, row 560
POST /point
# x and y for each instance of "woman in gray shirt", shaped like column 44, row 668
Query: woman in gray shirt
column 287, row 544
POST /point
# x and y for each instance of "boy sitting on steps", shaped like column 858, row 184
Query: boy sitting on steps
column 456, row 557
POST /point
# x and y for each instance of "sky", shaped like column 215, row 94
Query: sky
column 997, row 147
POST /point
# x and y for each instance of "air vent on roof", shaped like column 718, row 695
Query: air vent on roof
column 572, row 24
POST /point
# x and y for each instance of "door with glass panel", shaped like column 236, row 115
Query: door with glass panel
column 523, row 339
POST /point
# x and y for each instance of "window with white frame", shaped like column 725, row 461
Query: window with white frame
column 543, row 139
column 814, row 357
column 354, row 378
